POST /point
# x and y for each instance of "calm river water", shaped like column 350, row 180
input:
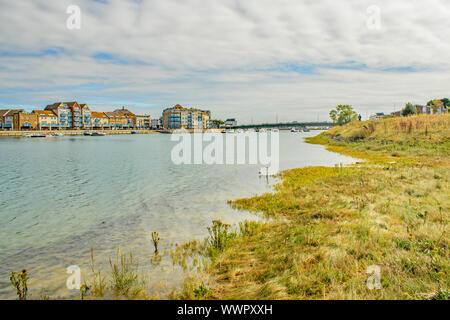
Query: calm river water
column 61, row 196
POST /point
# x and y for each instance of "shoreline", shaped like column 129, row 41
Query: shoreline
column 329, row 226
column 81, row 132
column 71, row 132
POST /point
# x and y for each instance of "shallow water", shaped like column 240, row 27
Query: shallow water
column 61, row 196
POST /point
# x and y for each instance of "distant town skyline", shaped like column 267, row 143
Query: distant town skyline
column 256, row 61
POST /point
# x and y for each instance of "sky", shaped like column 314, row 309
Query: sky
column 254, row 60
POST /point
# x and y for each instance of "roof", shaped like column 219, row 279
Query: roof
column 95, row 114
column 124, row 111
column 46, row 113
column 9, row 112
column 53, row 106
column 2, row 112
column 114, row 115
column 71, row 104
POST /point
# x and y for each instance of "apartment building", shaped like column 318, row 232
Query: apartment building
column 117, row 120
column 129, row 116
column 231, row 122
column 64, row 114
column 47, row 120
column 7, row 118
column 23, row 120
column 86, row 117
column 143, row 122
column 100, row 120
column 157, row 123
column 178, row 117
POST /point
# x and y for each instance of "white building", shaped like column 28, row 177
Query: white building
column 230, row 122
column 377, row 116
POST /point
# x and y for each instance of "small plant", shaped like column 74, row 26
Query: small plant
column 218, row 235
column 248, row 228
column 83, row 290
column 201, row 291
column 20, row 283
column 125, row 279
column 155, row 239
column 98, row 285
column 442, row 294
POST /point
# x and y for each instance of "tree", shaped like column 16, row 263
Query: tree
column 343, row 114
column 408, row 110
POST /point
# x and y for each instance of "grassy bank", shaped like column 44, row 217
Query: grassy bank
column 329, row 225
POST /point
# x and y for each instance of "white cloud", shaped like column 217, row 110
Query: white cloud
column 237, row 58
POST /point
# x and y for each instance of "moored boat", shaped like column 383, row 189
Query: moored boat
column 98, row 134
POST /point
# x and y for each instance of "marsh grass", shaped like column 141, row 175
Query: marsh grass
column 330, row 224
column 20, row 283
column 124, row 282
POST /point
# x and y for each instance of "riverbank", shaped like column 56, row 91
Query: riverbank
column 70, row 132
column 332, row 228
column 81, row 132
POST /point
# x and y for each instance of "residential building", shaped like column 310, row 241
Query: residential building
column 216, row 124
column 422, row 109
column 178, row 117
column 76, row 115
column 117, row 120
column 25, row 121
column 86, row 117
column 7, row 118
column 64, row 114
column 376, row 116
column 129, row 116
column 438, row 107
column 100, row 120
column 230, row 123
column 47, row 120
column 157, row 123
column 143, row 122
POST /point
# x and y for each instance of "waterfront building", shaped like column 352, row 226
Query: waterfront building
column 178, row 117
column 100, row 120
column 230, row 123
column 76, row 115
column 216, row 124
column 64, row 114
column 86, row 117
column 157, row 123
column 47, row 120
column 117, row 120
column 143, row 122
column 129, row 116
column 25, row 120
column 7, row 118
